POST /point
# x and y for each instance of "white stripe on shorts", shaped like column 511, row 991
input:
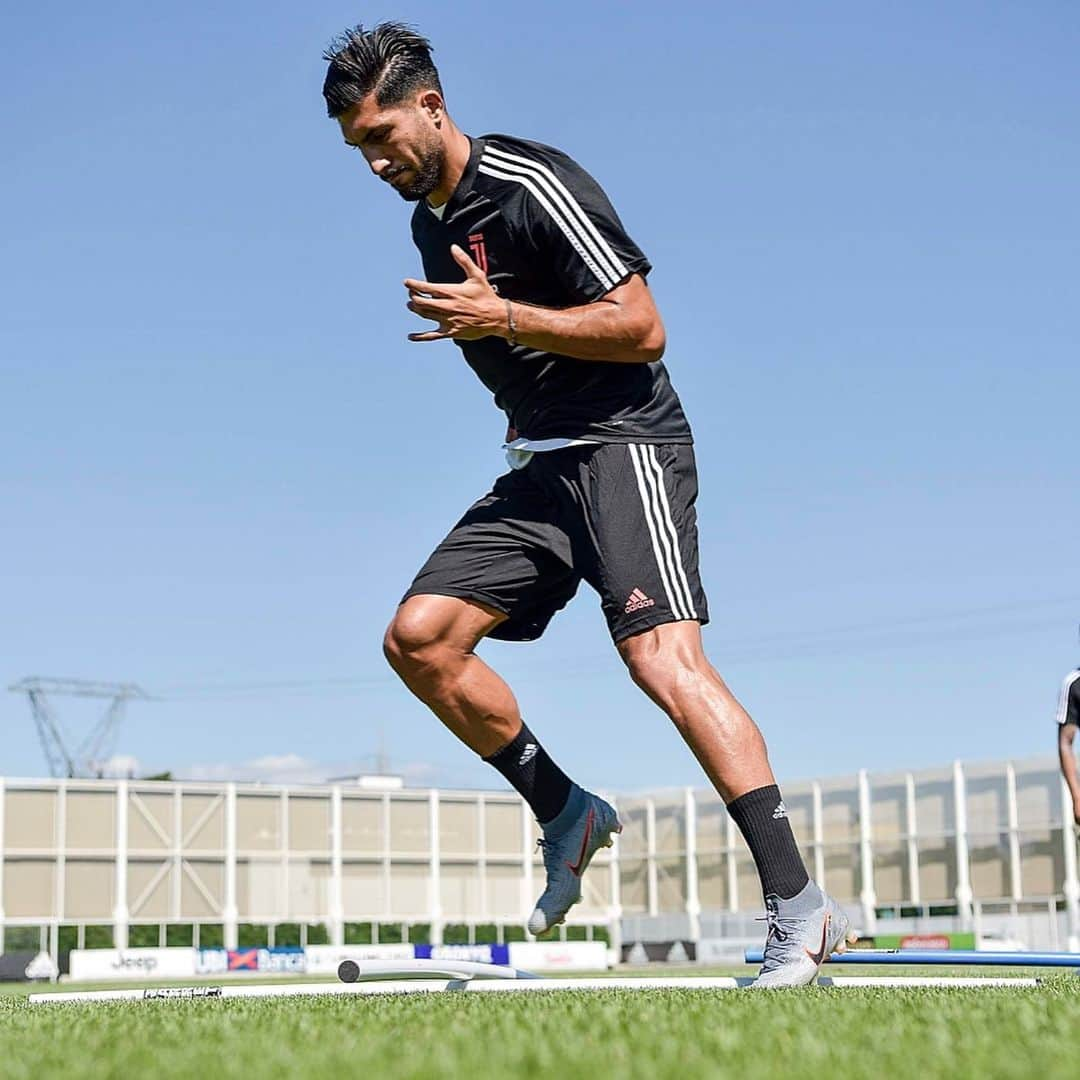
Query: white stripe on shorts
column 665, row 541
column 665, row 506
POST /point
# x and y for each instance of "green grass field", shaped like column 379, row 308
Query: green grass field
column 816, row 1032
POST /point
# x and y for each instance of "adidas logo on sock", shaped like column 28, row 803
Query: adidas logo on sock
column 528, row 753
column 636, row 601
column 780, row 811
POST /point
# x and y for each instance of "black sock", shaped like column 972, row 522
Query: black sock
column 762, row 819
column 539, row 781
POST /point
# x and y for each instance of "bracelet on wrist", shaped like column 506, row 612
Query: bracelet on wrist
column 511, row 326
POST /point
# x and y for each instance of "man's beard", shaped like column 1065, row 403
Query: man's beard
column 427, row 176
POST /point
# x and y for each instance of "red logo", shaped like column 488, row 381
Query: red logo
column 479, row 251
column 243, row 959
column 576, row 870
column 636, row 601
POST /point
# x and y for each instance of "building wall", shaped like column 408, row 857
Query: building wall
column 124, row 852
column 995, row 837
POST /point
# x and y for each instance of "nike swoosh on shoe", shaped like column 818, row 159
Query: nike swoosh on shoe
column 819, row 956
column 575, row 869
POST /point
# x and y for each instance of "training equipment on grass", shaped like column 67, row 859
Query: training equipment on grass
column 947, row 957
column 367, row 978
column 350, row 971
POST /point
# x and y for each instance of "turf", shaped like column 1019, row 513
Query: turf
column 659, row 1034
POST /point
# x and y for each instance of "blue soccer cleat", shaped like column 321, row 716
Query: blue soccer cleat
column 582, row 827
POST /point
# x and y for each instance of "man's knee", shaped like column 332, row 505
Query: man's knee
column 655, row 669
column 664, row 662
column 413, row 641
column 435, row 632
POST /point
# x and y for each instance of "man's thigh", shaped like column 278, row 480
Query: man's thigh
column 641, row 504
column 509, row 553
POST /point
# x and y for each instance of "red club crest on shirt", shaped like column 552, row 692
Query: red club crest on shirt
column 479, row 251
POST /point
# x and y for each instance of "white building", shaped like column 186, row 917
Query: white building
column 110, row 861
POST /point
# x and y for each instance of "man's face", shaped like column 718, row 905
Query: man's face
column 401, row 143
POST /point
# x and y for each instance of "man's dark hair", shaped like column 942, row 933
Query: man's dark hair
column 393, row 61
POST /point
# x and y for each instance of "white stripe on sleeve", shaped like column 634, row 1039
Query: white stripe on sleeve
column 571, row 235
column 574, row 208
column 1063, row 700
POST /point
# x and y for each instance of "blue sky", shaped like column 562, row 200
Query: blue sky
column 221, row 462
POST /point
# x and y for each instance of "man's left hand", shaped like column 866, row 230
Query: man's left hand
column 464, row 312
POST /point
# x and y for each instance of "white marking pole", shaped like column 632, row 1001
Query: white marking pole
column 418, row 969
column 429, row 986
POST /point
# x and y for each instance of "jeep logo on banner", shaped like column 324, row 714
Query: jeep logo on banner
column 132, row 963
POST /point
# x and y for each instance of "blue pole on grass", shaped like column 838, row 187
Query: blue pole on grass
column 957, row 957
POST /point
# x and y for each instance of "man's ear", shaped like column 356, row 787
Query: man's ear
column 432, row 103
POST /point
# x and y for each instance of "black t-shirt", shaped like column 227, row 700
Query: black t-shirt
column 545, row 233
column 1069, row 700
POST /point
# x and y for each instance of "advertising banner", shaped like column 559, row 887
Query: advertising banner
column 477, row 954
column 324, row 959
column 281, row 960
column 559, row 955
column 918, row 941
column 132, row 963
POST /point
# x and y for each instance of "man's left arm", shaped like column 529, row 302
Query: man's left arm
column 622, row 326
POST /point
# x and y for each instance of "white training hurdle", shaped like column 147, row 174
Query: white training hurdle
column 367, row 979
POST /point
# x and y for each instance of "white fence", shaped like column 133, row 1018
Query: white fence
column 84, row 858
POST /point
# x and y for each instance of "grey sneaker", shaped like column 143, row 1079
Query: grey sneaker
column 583, row 826
column 802, row 932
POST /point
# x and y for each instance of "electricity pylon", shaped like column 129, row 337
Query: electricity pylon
column 87, row 757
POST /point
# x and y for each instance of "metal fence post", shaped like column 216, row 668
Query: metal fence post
column 867, row 895
column 120, row 908
column 229, row 914
column 964, row 894
column 693, row 900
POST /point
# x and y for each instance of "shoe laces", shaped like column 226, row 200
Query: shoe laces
column 547, row 848
column 776, row 928
column 774, row 931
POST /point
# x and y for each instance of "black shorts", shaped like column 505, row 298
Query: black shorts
column 619, row 516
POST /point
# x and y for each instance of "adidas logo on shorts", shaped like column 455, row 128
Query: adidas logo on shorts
column 637, row 601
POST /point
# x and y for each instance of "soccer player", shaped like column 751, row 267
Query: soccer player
column 530, row 272
column 1068, row 718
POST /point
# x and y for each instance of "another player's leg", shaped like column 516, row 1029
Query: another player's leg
column 804, row 924
column 431, row 644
